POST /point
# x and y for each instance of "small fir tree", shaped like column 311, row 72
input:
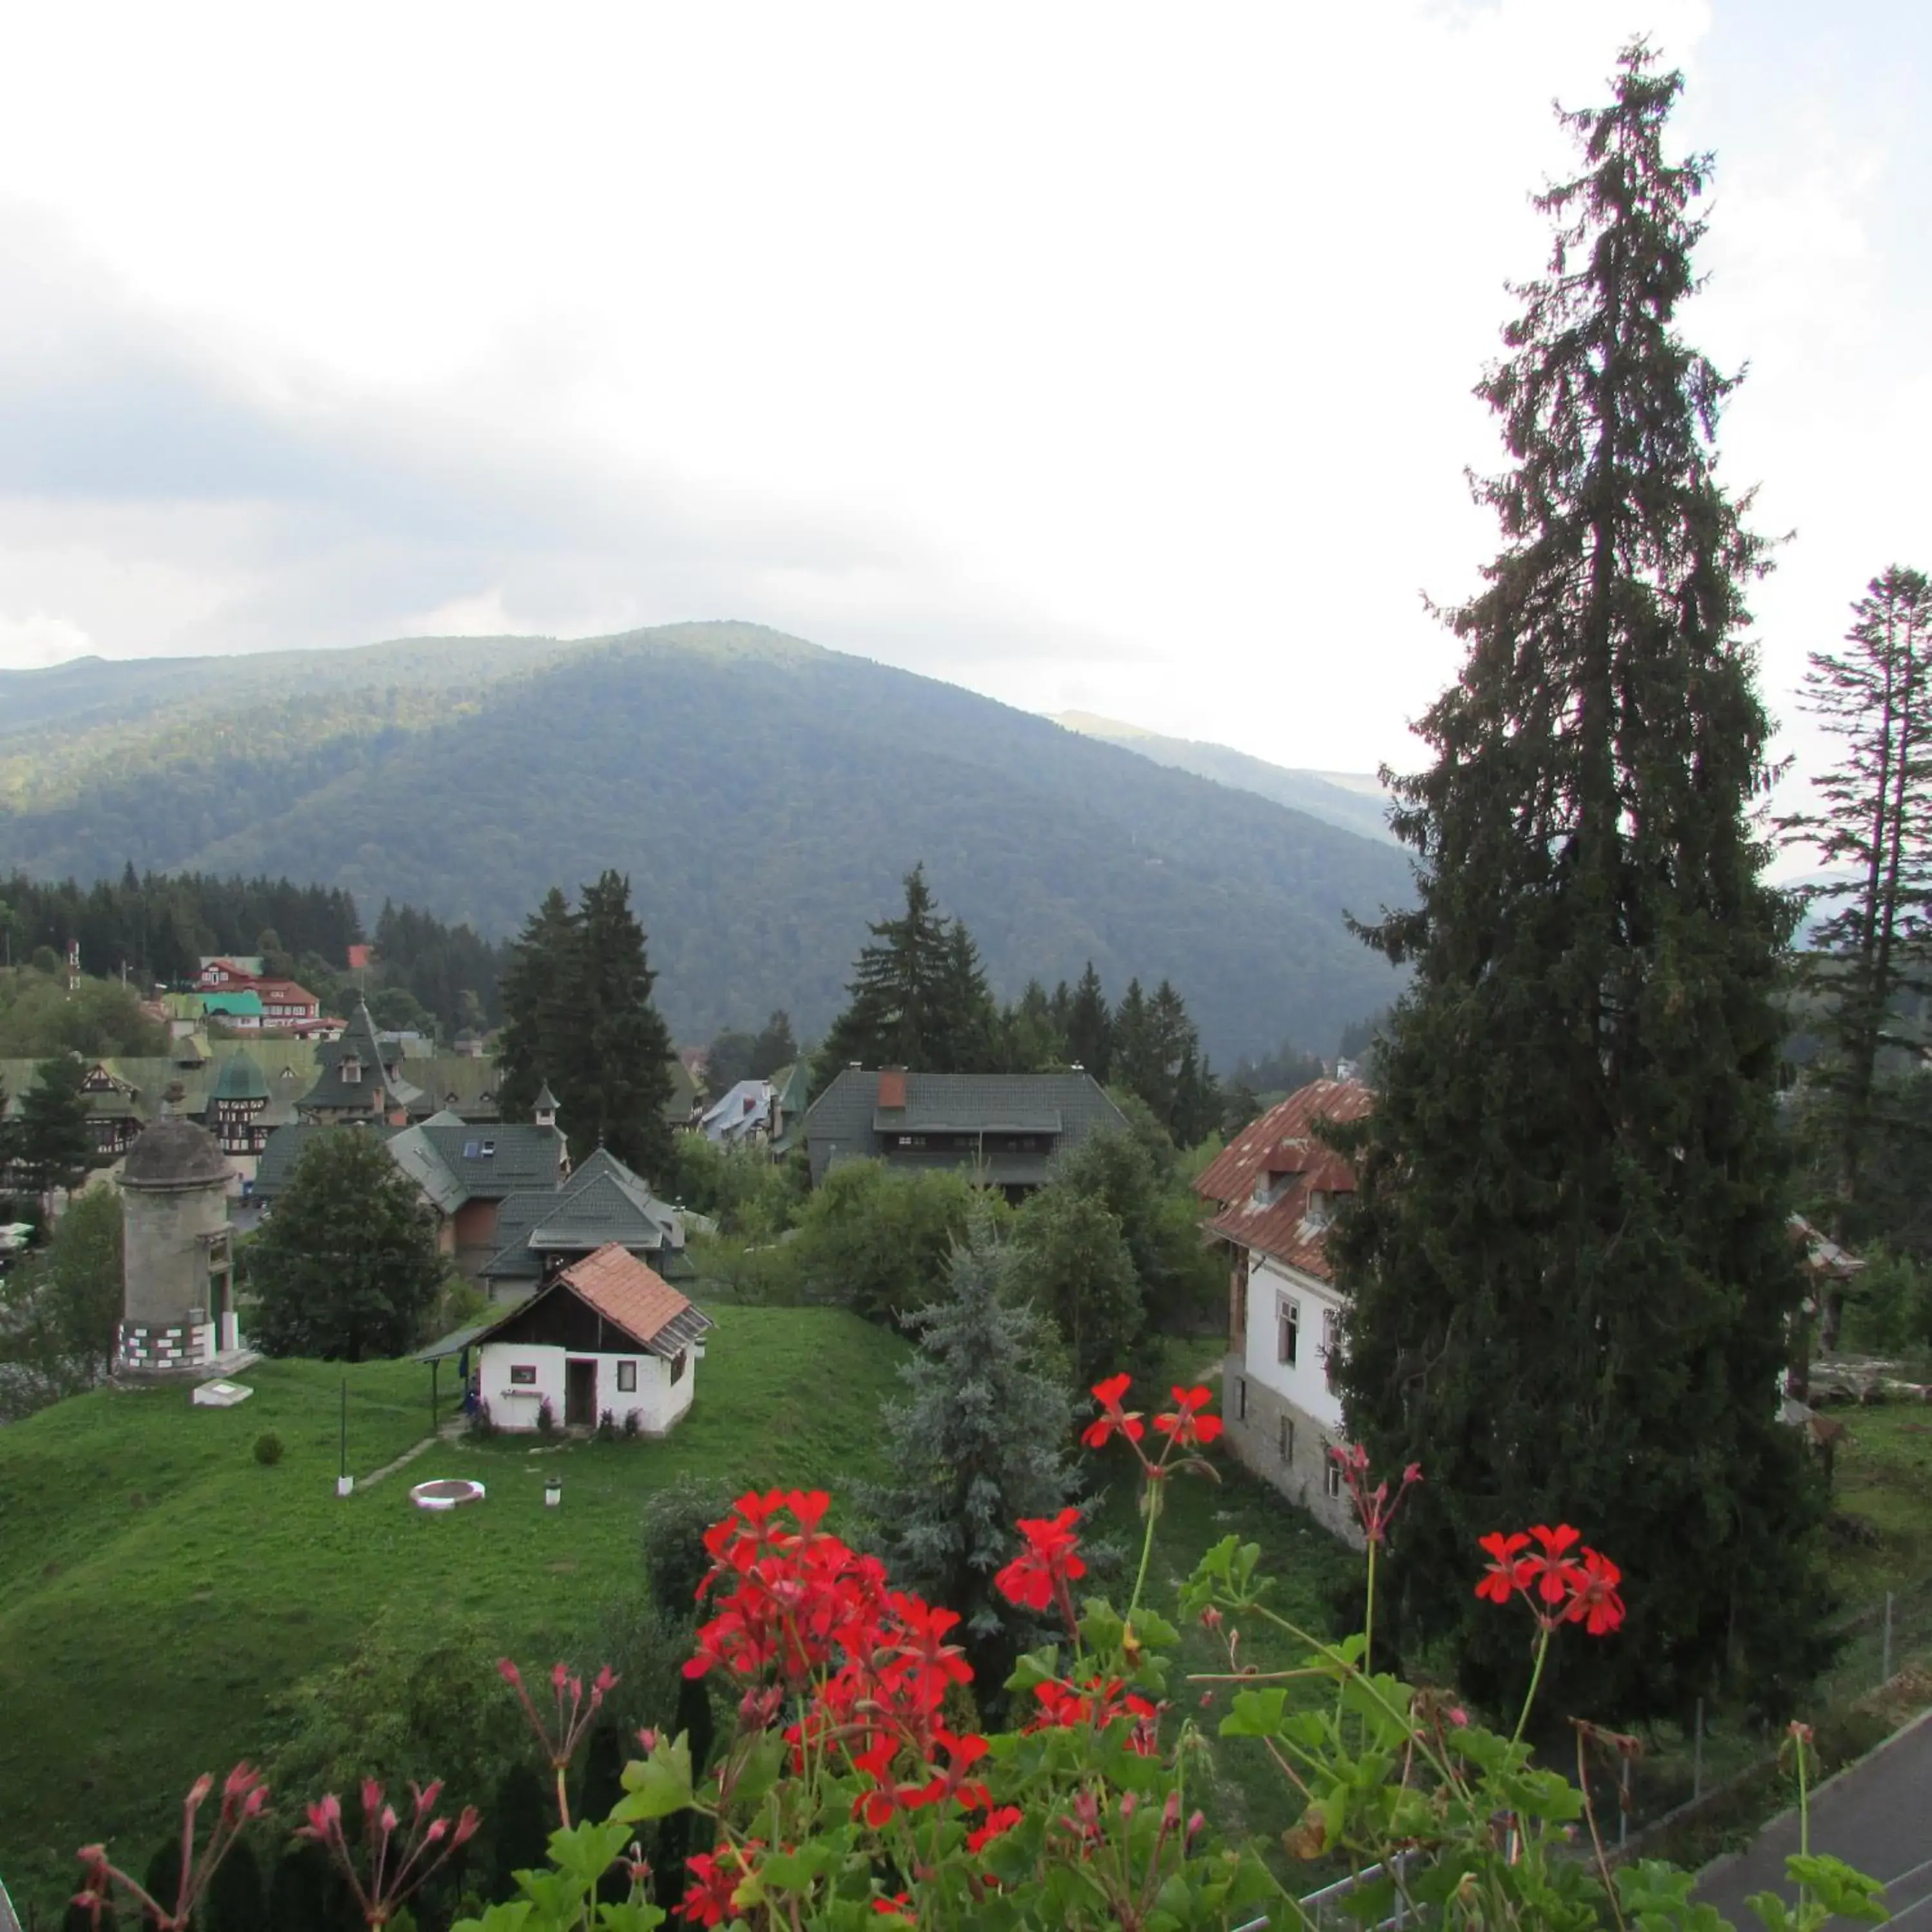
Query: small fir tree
column 1568, row 1261
column 535, row 996
column 615, row 1082
column 346, row 1268
column 897, row 1013
column 978, row 1441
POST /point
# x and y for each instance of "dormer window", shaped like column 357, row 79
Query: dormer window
column 350, row 1068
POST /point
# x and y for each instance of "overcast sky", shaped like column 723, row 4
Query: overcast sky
column 1114, row 357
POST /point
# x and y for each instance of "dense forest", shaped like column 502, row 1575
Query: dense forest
column 156, row 927
column 764, row 796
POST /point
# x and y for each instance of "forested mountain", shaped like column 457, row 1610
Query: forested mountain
column 1355, row 804
column 765, row 797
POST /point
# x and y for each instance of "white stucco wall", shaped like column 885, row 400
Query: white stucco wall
column 658, row 1400
column 1304, row 1382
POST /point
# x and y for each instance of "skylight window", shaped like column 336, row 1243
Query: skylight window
column 471, row 1149
column 489, row 1148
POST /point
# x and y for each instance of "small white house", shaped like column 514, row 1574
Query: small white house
column 1275, row 1187
column 607, row 1335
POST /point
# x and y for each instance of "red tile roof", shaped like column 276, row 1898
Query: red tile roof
column 1281, row 1147
column 624, row 1290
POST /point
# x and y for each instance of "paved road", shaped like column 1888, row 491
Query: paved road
column 1877, row 1816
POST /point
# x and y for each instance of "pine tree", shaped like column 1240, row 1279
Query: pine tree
column 978, row 1442
column 967, row 1030
column 1570, row 1272
column 614, row 1082
column 1874, row 829
column 1134, row 1062
column 1090, row 1027
column 773, row 1049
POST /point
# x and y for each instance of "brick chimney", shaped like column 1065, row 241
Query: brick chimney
column 891, row 1087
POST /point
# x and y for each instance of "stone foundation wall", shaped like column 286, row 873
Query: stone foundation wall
column 182, row 1349
column 1254, row 1413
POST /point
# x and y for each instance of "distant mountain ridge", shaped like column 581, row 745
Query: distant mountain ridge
column 1353, row 800
column 765, row 795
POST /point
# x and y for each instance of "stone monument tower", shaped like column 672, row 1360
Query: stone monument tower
column 177, row 1311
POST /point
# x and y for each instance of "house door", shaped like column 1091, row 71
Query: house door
column 580, row 1394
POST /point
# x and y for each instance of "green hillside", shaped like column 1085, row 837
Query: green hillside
column 1354, row 805
column 159, row 1588
column 766, row 796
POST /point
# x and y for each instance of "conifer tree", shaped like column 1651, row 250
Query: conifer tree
column 1873, row 829
column 535, row 994
column 614, row 1081
column 978, row 1442
column 1568, row 1258
column 1090, row 1027
column 897, row 991
column 1134, row 1062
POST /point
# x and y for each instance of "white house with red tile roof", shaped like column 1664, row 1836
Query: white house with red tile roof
column 1274, row 1188
column 607, row 1335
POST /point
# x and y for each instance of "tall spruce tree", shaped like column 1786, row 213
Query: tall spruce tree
column 1571, row 1271
column 1873, row 829
column 616, row 1072
column 535, row 995
column 578, row 1014
column 978, row 1442
column 54, row 1144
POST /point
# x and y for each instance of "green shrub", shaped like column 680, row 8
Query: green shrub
column 268, row 1448
column 546, row 1418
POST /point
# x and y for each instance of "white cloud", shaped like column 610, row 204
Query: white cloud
column 34, row 642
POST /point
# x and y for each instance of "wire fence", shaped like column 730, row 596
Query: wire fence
column 1705, row 1764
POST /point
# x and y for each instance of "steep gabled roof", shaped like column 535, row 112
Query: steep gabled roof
column 627, row 1293
column 603, row 1201
column 332, row 1093
column 1263, row 1179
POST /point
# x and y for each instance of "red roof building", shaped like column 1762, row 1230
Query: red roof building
column 1273, row 1191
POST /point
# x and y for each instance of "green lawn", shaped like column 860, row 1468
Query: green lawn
column 1882, row 1475
column 158, row 1586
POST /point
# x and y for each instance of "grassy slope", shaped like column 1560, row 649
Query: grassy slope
column 158, row 1586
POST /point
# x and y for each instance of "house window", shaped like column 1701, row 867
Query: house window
column 489, row 1150
column 627, row 1378
column 1331, row 1344
column 1288, row 1324
column 524, row 1375
column 1288, row 1438
column 351, row 1070
column 1240, row 1398
column 678, row 1362
column 1331, row 1472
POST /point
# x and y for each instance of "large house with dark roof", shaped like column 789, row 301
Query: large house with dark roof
column 600, row 1204
column 465, row 1171
column 1273, row 1189
column 1002, row 1128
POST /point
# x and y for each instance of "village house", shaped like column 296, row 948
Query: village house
column 607, row 1335
column 358, row 1080
column 1004, row 1129
column 1274, row 1188
column 465, row 1171
column 600, row 1204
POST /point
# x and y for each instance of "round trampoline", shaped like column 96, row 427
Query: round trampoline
column 449, row 1492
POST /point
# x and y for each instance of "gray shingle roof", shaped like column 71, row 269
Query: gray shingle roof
column 331, row 1094
column 846, row 1123
column 602, row 1201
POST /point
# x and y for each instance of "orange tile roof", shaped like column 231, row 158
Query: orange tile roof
column 624, row 1290
column 1282, row 1143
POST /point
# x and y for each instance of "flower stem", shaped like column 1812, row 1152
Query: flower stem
column 1152, row 1510
column 1535, row 1679
column 1369, row 1616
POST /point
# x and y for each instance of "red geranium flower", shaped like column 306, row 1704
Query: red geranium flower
column 1508, row 1570
column 1050, row 1560
column 1557, row 1570
column 1189, row 1429
column 1594, row 1602
column 1000, row 1820
column 1108, row 1394
column 710, row 1881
